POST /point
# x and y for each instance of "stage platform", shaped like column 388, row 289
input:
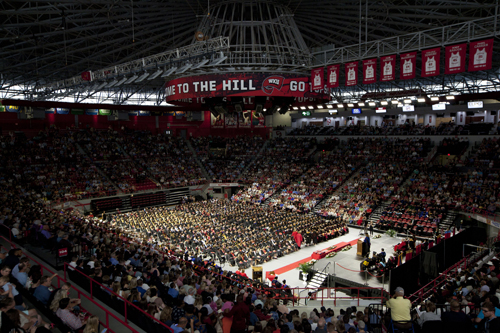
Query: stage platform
column 345, row 262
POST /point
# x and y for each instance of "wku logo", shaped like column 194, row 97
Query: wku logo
column 271, row 83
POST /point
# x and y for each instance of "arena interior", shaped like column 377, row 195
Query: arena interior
column 256, row 166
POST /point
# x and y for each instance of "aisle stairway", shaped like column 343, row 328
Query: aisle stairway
column 317, row 281
column 253, row 160
column 195, row 156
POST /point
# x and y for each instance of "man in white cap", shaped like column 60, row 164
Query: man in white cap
column 400, row 309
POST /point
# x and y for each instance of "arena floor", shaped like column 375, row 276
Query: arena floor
column 286, row 266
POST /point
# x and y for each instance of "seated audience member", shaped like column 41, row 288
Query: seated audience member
column 181, row 326
column 490, row 322
column 494, row 300
column 42, row 292
column 69, row 318
column 13, row 258
column 454, row 315
column 429, row 314
column 321, row 328
column 400, row 309
column 20, row 271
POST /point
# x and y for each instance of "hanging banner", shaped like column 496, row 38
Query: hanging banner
column 370, row 71
column 77, row 111
column 408, row 62
column 133, row 113
column 51, row 110
column 332, row 73
column 480, row 54
column 217, row 122
column 430, row 62
column 169, row 113
column 62, row 111
column 231, row 120
column 12, row 108
column 196, row 88
column 329, row 121
column 245, row 119
column 351, row 73
column 180, row 114
column 144, row 113
column 104, row 112
column 86, row 76
column 388, row 68
column 258, row 119
column 91, row 112
column 317, row 78
column 2, row 108
column 455, row 58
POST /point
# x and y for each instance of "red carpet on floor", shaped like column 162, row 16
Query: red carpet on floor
column 296, row 264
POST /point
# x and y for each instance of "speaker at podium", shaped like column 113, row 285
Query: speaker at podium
column 257, row 273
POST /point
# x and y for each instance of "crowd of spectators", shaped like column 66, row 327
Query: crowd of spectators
column 317, row 182
column 467, row 302
column 166, row 159
column 53, row 166
column 282, row 161
column 226, row 158
column 388, row 162
column 387, row 128
column 248, row 233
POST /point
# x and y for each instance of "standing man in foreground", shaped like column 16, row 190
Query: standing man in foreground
column 400, row 309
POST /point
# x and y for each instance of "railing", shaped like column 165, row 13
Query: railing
column 329, row 294
column 9, row 232
column 125, row 301
column 322, row 272
column 422, row 293
column 80, row 294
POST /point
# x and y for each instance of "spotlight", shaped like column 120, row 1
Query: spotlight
column 384, row 103
column 434, row 98
column 450, row 97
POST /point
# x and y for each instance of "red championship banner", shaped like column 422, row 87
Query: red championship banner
column 370, row 71
column 388, row 68
column 408, row 62
column 332, row 75
column 317, row 78
column 231, row 120
column 480, row 54
column 86, row 76
column 455, row 58
column 430, row 62
column 351, row 73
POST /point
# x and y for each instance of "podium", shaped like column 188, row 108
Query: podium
column 257, row 273
column 359, row 252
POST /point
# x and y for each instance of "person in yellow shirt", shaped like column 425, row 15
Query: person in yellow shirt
column 400, row 309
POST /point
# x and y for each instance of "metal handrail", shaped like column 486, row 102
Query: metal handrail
column 79, row 292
